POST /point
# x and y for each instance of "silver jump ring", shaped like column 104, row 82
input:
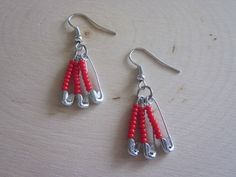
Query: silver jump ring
column 142, row 84
column 79, row 46
column 143, row 88
column 79, row 52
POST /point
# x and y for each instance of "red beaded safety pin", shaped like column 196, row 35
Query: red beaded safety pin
column 77, row 73
column 142, row 112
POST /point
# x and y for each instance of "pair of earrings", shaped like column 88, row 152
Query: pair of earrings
column 84, row 92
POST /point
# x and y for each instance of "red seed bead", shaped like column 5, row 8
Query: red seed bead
column 130, row 135
column 133, row 122
column 77, row 87
column 70, row 69
column 133, row 117
column 142, row 118
column 134, row 114
column 144, row 136
column 66, row 80
column 131, row 130
column 65, row 88
column 142, row 125
column 143, row 131
column 66, row 84
column 67, row 76
column 76, row 79
column 159, row 135
column 144, row 140
column 68, row 73
column 132, row 126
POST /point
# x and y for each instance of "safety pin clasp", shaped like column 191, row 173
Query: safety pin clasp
column 67, row 99
column 148, row 152
column 82, row 101
column 96, row 96
column 132, row 147
column 167, row 144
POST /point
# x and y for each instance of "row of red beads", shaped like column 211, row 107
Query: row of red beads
column 133, row 121
column 73, row 69
column 138, row 115
column 142, row 125
column 85, row 76
column 154, row 123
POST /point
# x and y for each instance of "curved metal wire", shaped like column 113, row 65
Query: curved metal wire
column 162, row 117
column 151, row 55
column 96, row 77
column 93, row 23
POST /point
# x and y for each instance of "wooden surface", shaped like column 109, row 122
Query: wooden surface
column 41, row 138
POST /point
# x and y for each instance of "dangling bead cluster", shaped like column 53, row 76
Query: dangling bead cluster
column 138, row 116
column 73, row 70
column 77, row 71
column 142, row 109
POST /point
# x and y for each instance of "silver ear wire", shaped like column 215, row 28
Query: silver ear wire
column 152, row 56
column 78, row 36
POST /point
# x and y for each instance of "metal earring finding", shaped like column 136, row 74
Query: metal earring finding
column 142, row 110
column 77, row 73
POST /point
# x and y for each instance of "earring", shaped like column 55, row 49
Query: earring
column 142, row 109
column 77, row 71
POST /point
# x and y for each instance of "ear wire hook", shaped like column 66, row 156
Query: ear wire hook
column 93, row 23
column 151, row 55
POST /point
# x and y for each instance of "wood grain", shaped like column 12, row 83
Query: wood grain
column 40, row 138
